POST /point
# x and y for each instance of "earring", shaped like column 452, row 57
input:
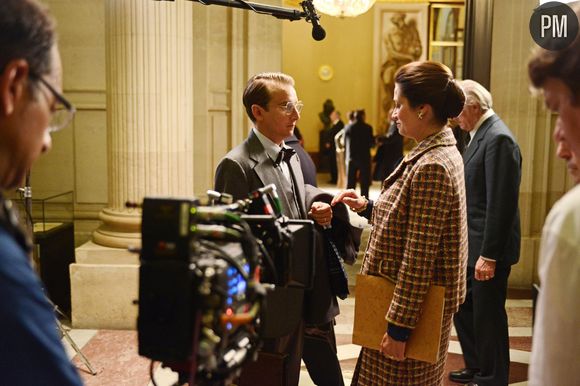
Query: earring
column 420, row 115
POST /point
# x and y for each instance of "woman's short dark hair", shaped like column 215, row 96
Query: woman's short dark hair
column 561, row 64
column 431, row 83
column 27, row 31
column 258, row 90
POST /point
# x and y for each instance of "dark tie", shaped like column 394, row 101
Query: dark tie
column 285, row 154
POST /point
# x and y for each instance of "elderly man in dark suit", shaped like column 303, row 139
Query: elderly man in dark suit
column 492, row 177
column 262, row 159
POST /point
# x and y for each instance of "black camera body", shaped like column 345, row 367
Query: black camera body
column 202, row 282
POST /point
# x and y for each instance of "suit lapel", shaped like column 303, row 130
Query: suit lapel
column 475, row 142
column 262, row 163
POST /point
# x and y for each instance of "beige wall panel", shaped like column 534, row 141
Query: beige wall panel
column 347, row 48
column 54, row 171
column 82, row 46
column 264, row 36
column 239, row 77
column 515, row 105
column 202, row 165
column 219, row 57
column 523, row 272
column 91, row 177
column 219, row 133
column 544, row 177
column 81, row 27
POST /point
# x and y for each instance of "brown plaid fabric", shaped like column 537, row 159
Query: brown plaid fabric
column 419, row 238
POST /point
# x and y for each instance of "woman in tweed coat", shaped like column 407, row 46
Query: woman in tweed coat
column 419, row 235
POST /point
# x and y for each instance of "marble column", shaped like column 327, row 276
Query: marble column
column 149, row 61
column 149, row 67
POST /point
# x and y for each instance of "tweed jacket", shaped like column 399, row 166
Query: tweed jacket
column 419, row 234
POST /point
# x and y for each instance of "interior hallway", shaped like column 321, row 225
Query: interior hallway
column 113, row 354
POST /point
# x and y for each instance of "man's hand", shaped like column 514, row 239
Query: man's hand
column 393, row 349
column 351, row 198
column 321, row 213
column 484, row 269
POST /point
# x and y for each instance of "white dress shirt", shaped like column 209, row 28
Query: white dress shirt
column 556, row 342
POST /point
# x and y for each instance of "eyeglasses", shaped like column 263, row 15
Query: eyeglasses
column 289, row 107
column 64, row 110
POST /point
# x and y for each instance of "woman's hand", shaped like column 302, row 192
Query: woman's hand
column 393, row 349
column 351, row 198
column 321, row 213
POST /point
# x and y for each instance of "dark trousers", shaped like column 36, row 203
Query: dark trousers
column 333, row 166
column 482, row 328
column 319, row 355
column 364, row 168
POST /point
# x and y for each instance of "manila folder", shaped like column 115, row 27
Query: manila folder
column 373, row 296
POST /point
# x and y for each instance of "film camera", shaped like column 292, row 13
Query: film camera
column 205, row 277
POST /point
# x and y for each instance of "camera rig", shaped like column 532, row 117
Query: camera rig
column 204, row 278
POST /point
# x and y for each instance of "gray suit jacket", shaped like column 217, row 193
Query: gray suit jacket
column 247, row 168
column 493, row 170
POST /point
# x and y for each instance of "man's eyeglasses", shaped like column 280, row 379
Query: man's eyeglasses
column 289, row 107
column 64, row 110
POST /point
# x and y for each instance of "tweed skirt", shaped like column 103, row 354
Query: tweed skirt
column 374, row 369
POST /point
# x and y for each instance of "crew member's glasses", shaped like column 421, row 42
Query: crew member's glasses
column 64, row 110
column 289, row 107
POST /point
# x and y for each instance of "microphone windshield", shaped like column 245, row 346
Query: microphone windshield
column 318, row 33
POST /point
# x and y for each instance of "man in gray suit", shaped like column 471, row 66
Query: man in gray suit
column 493, row 166
column 262, row 159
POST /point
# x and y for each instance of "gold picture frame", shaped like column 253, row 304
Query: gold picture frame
column 400, row 37
column 446, row 36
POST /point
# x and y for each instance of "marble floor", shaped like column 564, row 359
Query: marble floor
column 113, row 354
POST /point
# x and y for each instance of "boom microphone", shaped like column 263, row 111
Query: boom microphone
column 318, row 32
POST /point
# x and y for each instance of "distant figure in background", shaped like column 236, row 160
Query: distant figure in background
column 389, row 153
column 556, row 339
column 358, row 142
column 324, row 116
column 330, row 145
column 306, row 163
column 340, row 151
column 299, row 136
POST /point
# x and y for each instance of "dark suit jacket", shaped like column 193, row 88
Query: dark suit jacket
column 358, row 139
column 247, row 167
column 306, row 164
column 493, row 169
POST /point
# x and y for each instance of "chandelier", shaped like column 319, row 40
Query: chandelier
column 343, row 8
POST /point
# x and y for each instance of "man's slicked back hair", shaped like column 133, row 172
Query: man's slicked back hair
column 258, row 90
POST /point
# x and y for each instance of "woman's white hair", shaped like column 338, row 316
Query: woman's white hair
column 476, row 93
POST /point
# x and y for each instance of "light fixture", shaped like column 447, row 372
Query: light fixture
column 343, row 8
